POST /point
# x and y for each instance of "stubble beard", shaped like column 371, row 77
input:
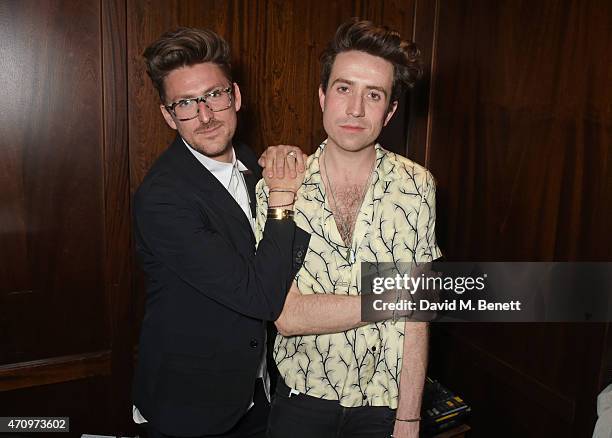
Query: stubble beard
column 211, row 148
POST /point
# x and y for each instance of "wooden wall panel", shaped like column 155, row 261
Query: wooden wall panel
column 425, row 35
column 51, row 293
column 58, row 369
column 531, row 105
column 65, row 267
column 147, row 128
column 518, row 135
column 118, row 261
column 82, row 401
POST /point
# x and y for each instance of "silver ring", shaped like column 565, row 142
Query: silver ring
column 291, row 154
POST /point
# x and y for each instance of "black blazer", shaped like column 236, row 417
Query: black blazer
column 208, row 294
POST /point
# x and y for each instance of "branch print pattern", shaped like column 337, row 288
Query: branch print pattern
column 396, row 224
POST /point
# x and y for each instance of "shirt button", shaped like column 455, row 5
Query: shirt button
column 254, row 343
column 374, row 348
column 365, row 397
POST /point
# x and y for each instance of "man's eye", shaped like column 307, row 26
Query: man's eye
column 184, row 103
column 375, row 96
column 214, row 94
column 342, row 89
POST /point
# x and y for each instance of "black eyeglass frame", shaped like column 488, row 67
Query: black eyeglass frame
column 228, row 90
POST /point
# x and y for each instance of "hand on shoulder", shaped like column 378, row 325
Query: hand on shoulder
column 284, row 167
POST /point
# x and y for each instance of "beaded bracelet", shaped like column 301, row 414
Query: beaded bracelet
column 281, row 205
column 282, row 191
column 285, row 191
column 411, row 420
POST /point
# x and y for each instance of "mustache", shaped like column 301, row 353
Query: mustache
column 213, row 123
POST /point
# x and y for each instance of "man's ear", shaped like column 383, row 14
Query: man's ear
column 237, row 97
column 390, row 113
column 321, row 97
column 167, row 117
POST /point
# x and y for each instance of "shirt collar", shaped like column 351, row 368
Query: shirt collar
column 312, row 179
column 221, row 171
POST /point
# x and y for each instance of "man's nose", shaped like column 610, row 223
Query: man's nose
column 356, row 106
column 204, row 113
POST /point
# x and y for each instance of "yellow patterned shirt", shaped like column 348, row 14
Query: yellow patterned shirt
column 362, row 366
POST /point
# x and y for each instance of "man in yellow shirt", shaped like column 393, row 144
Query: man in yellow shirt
column 361, row 203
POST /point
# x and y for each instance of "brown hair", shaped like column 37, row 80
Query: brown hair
column 375, row 40
column 182, row 47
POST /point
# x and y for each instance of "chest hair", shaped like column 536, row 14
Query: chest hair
column 348, row 202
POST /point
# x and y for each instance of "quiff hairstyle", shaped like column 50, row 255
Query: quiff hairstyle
column 380, row 41
column 184, row 47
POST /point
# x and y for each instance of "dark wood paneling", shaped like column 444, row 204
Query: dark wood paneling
column 66, row 290
column 117, row 215
column 54, row 370
column 425, row 35
column 51, row 295
column 519, row 139
column 145, row 21
column 525, row 111
column 80, row 400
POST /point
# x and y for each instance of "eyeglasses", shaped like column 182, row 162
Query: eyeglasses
column 216, row 100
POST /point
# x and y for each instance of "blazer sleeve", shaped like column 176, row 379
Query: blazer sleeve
column 172, row 234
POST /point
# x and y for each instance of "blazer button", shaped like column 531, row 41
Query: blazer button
column 254, row 343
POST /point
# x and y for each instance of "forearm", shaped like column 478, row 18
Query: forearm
column 318, row 314
column 414, row 367
column 414, row 361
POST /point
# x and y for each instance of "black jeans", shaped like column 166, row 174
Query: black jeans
column 252, row 425
column 303, row 416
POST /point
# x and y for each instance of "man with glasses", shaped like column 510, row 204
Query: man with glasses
column 201, row 361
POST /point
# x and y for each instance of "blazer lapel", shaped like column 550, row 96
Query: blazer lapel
column 251, row 182
column 200, row 177
column 252, row 176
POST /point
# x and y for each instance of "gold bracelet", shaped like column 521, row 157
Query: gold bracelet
column 276, row 211
column 279, row 214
